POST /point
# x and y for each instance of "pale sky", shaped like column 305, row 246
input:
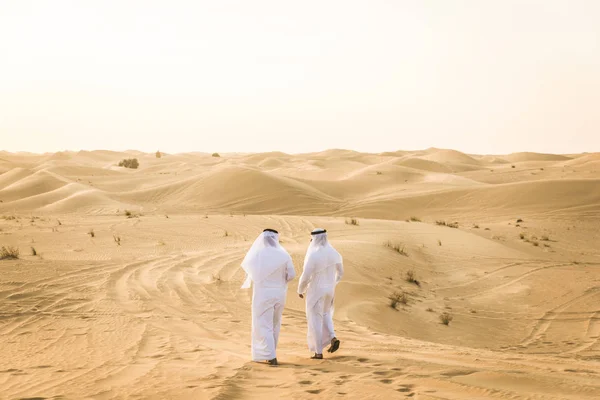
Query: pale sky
column 297, row 76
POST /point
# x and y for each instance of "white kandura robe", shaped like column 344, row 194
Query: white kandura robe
column 268, row 301
column 323, row 269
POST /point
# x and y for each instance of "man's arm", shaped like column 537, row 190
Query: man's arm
column 305, row 278
column 339, row 272
column 290, row 273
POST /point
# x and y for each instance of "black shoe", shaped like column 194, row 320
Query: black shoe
column 317, row 357
column 335, row 345
column 273, row 362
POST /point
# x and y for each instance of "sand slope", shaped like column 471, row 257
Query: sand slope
column 149, row 306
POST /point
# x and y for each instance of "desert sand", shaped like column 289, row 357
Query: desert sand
column 149, row 306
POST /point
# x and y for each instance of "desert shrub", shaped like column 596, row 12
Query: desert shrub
column 448, row 224
column 519, row 221
column 352, row 221
column 226, row 234
column 129, row 163
column 379, row 173
column 446, row 318
column 512, row 166
column 9, row 253
column 521, row 236
column 429, row 309
column 475, row 226
column 92, row 233
column 216, row 155
column 439, row 242
column 131, row 214
column 535, row 243
column 33, row 251
column 545, row 238
column 158, row 154
column 117, row 240
column 411, row 277
column 415, row 219
column 397, row 248
column 397, row 298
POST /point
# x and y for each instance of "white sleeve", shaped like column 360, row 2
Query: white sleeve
column 305, row 277
column 339, row 272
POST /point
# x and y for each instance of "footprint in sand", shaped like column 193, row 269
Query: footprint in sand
column 315, row 391
column 305, row 382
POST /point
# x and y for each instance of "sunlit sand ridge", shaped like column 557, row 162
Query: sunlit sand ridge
column 134, row 291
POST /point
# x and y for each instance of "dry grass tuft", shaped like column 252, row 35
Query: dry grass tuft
column 396, row 248
column 352, row 221
column 117, row 239
column 411, row 277
column 415, row 219
column 92, row 233
column 397, row 298
column 33, row 251
column 446, row 318
column 129, row 163
column 9, row 253
column 448, row 224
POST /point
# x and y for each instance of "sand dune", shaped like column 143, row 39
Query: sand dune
column 159, row 313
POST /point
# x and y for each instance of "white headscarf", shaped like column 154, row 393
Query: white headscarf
column 320, row 252
column 264, row 257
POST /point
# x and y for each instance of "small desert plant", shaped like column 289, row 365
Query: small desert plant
column 415, row 219
column 473, row 311
column 352, row 221
column 117, row 240
column 446, row 318
column 448, row 224
column 535, row 243
column 379, row 173
column 131, row 214
column 158, row 154
column 129, row 163
column 521, row 236
column 92, row 233
column 512, row 166
column 161, row 243
column 396, row 248
column 59, row 223
column 545, row 238
column 216, row 278
column 226, row 234
column 475, row 226
column 519, row 221
column 411, row 277
column 33, row 251
column 216, row 155
column 9, row 253
column 439, row 242
column 486, row 229
column 429, row 309
column 166, row 216
column 397, row 298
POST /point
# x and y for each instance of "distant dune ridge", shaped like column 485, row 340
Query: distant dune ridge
column 328, row 182
column 466, row 276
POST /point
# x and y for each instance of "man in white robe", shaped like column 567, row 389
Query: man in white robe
column 269, row 268
column 323, row 270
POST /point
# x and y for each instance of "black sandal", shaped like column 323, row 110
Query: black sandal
column 273, row 362
column 317, row 357
column 335, row 345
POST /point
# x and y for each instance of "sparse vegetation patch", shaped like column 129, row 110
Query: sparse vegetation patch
column 398, row 298
column 352, row 221
column 448, row 224
column 446, row 318
column 9, row 253
column 397, row 248
column 411, row 277
column 132, row 163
